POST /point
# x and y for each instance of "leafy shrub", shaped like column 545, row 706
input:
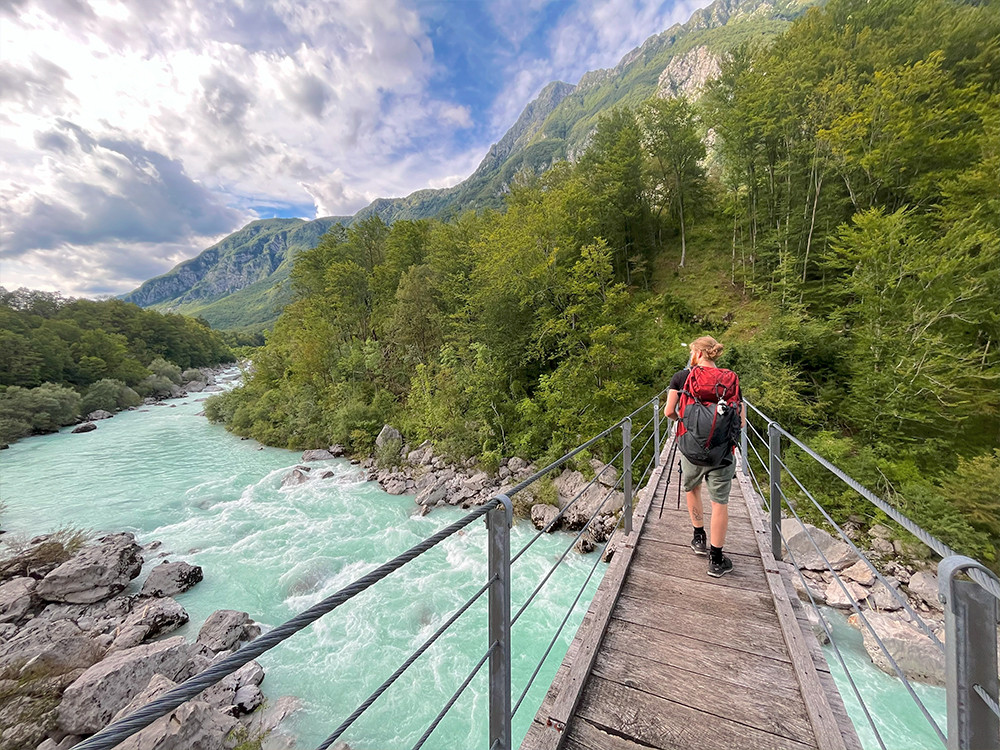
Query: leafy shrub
column 109, row 395
column 43, row 409
column 387, row 454
column 161, row 368
column 155, row 385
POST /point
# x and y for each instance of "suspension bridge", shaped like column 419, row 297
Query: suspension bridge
column 666, row 657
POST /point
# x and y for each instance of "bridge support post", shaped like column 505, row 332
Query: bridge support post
column 970, row 617
column 656, row 431
column 774, row 475
column 498, row 557
column 627, row 472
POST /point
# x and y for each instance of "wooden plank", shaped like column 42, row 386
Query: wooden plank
column 772, row 710
column 752, row 635
column 682, row 563
column 749, row 670
column 553, row 723
column 700, row 595
column 827, row 730
column 654, row 722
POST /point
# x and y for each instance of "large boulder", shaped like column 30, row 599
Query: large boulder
column 193, row 724
column 837, row 597
column 570, row 484
column 16, row 599
column 226, row 628
column 319, row 454
column 913, row 651
column 149, row 618
column 99, row 414
column 387, row 435
column 85, row 427
column 298, row 475
column 95, row 573
column 804, row 552
column 43, row 555
column 924, row 586
column 171, row 578
column 542, row 514
column 92, row 701
column 44, row 647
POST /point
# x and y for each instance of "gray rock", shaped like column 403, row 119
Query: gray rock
column 804, row 552
column 916, row 654
column 606, row 473
column 96, row 572
column 572, row 483
column 85, row 427
column 65, row 744
column 882, row 599
column 98, row 694
column 613, row 544
column 99, row 414
column 388, row 434
column 227, row 628
column 149, row 618
column 924, row 586
column 43, row 647
column 835, row 596
column 395, row 486
column 882, row 548
column 16, row 599
column 296, row 476
column 807, row 587
column 585, row 543
column 860, row 572
column 516, row 464
column 195, row 386
column 248, row 698
column 542, row 514
column 317, row 455
column 171, row 578
column 878, row 531
column 432, row 495
column 194, row 724
column 337, row 450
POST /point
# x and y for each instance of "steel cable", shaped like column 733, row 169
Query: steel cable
column 402, row 668
column 987, row 699
column 118, row 731
column 455, row 696
column 871, row 629
column 899, row 597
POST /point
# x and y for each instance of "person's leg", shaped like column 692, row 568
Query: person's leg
column 719, row 482
column 692, row 479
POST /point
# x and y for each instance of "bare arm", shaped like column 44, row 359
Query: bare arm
column 670, row 410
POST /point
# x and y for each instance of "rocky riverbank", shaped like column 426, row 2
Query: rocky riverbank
column 437, row 481
column 80, row 647
column 911, row 580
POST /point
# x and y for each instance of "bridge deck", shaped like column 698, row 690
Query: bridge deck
column 668, row 657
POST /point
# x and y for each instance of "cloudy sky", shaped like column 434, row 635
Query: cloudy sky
column 135, row 134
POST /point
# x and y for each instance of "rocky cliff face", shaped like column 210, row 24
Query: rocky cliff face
column 687, row 74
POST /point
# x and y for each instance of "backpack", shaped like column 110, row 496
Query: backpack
column 710, row 422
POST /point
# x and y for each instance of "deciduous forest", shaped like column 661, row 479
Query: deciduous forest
column 829, row 208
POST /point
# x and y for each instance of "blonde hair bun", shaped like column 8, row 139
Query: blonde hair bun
column 707, row 346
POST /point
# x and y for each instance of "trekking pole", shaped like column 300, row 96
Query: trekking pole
column 680, row 483
column 670, row 469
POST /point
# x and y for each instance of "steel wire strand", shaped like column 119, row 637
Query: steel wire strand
column 116, row 732
column 552, row 643
column 639, row 453
column 455, row 696
column 987, row 699
column 899, row 597
column 642, row 429
column 402, row 668
column 562, row 557
column 871, row 629
column 933, row 542
column 760, row 492
column 836, row 648
column 548, row 527
column 645, row 473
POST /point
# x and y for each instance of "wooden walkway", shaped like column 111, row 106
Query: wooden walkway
column 667, row 657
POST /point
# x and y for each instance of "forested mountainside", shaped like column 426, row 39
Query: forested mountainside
column 240, row 283
column 63, row 358
column 844, row 244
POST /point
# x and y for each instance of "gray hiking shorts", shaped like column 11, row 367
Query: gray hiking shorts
column 718, row 478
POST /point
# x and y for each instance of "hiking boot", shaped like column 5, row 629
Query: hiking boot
column 699, row 544
column 719, row 569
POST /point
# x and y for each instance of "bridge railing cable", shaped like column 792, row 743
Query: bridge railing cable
column 498, row 513
column 972, row 607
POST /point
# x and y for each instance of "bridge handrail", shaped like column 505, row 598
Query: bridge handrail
column 970, row 618
column 498, row 513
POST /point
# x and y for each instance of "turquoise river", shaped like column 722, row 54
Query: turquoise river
column 165, row 473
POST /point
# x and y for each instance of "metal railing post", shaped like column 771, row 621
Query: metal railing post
column 970, row 618
column 656, row 431
column 744, row 443
column 627, row 472
column 774, row 475
column 498, row 523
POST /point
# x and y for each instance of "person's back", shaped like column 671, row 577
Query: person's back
column 706, row 401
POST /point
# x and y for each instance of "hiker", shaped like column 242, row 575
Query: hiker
column 708, row 406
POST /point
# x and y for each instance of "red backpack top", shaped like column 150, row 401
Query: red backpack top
column 709, row 431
